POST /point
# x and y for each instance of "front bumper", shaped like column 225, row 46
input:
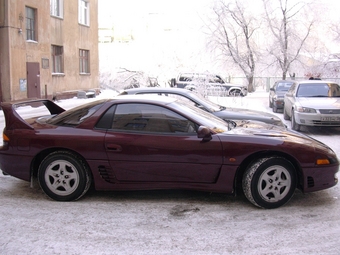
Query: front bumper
column 319, row 178
column 317, row 119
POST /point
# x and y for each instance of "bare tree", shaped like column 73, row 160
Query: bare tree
column 232, row 34
column 290, row 31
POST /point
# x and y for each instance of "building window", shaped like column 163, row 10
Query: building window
column 57, row 59
column 84, row 61
column 30, row 24
column 84, row 12
column 56, row 7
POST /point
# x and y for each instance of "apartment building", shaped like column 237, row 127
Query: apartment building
column 48, row 48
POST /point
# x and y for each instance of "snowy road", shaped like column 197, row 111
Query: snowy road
column 170, row 222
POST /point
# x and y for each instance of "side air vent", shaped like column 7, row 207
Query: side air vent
column 310, row 182
column 106, row 174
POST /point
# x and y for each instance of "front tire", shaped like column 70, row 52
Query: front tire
column 64, row 176
column 235, row 93
column 285, row 114
column 269, row 182
column 295, row 126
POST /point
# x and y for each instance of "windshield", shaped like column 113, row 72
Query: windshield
column 206, row 103
column 76, row 115
column 318, row 90
column 205, row 118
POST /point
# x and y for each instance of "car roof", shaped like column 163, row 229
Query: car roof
column 279, row 81
column 143, row 99
column 158, row 89
column 315, row 82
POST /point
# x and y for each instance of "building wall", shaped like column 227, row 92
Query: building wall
column 16, row 51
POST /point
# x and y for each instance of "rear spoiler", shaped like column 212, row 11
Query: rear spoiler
column 13, row 119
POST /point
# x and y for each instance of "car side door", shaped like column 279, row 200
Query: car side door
column 151, row 143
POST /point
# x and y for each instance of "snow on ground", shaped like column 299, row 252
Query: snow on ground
column 168, row 222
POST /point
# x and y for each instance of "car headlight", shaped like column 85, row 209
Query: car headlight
column 305, row 109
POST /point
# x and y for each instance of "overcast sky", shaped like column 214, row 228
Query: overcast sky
column 151, row 22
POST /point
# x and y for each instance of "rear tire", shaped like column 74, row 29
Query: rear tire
column 235, row 93
column 269, row 182
column 64, row 176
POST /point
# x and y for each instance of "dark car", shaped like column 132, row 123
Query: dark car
column 277, row 93
column 226, row 113
column 135, row 143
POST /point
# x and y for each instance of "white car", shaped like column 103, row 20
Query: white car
column 312, row 103
column 212, row 84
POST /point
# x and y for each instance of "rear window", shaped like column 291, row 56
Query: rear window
column 76, row 115
column 284, row 86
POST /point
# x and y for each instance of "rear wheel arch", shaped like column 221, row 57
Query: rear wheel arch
column 64, row 175
column 43, row 154
column 235, row 92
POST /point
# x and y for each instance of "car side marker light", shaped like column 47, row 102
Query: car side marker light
column 322, row 161
column 5, row 137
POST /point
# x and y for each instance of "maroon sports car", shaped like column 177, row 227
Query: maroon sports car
column 136, row 143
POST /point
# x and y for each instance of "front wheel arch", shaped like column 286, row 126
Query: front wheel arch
column 295, row 126
column 264, row 154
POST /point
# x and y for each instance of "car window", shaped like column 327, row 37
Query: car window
column 150, row 118
column 283, row 86
column 76, row 115
column 180, row 97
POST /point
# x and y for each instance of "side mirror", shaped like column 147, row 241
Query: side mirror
column 204, row 133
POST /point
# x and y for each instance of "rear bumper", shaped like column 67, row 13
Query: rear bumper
column 278, row 104
column 15, row 166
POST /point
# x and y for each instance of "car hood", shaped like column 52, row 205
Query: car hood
column 259, row 125
column 276, row 135
column 245, row 114
column 319, row 102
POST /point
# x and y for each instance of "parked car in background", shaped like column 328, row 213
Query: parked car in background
column 277, row 93
column 226, row 113
column 140, row 143
column 211, row 84
column 312, row 103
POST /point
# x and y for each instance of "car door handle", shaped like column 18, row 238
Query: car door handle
column 114, row 147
